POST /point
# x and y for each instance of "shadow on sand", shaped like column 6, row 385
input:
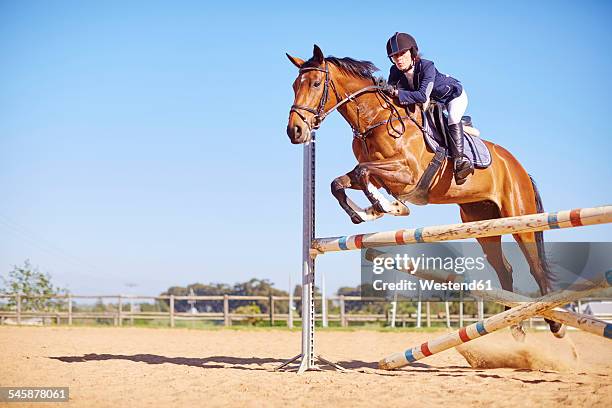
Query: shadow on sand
column 269, row 363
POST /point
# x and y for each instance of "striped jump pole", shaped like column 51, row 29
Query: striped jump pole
column 491, row 324
column 486, row 228
column 580, row 321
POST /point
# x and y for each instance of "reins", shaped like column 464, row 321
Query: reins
column 320, row 114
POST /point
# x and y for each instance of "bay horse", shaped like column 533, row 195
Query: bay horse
column 392, row 154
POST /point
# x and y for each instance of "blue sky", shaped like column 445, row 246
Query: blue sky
column 144, row 142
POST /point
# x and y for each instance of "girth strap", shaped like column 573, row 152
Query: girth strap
column 420, row 194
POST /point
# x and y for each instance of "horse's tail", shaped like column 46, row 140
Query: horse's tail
column 539, row 236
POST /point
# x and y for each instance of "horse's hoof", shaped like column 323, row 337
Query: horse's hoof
column 556, row 328
column 356, row 219
column 379, row 208
column 400, row 209
column 518, row 333
column 560, row 333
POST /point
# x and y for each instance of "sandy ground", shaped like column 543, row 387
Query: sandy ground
column 134, row 367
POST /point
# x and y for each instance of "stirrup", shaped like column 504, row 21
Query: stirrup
column 462, row 173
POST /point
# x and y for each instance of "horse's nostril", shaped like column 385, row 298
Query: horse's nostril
column 297, row 131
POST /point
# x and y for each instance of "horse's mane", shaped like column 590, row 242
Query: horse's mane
column 349, row 66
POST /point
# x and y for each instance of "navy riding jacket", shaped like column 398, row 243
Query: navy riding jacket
column 428, row 82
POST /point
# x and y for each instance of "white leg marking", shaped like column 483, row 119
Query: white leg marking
column 386, row 204
column 367, row 215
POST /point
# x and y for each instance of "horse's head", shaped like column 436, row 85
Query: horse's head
column 311, row 88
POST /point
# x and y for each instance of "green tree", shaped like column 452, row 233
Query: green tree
column 249, row 310
column 34, row 286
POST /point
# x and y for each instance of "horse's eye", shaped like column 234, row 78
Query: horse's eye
column 317, row 84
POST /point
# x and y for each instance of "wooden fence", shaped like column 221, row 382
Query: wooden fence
column 123, row 311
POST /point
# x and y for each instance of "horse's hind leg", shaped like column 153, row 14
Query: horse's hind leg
column 539, row 270
column 492, row 248
column 532, row 243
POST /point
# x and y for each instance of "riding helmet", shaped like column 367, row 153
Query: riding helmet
column 401, row 42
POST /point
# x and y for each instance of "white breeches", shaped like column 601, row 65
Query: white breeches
column 456, row 108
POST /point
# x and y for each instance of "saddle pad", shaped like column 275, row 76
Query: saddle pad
column 473, row 147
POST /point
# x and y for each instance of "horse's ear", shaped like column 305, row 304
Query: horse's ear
column 317, row 54
column 295, row 60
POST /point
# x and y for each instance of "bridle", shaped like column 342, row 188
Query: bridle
column 320, row 114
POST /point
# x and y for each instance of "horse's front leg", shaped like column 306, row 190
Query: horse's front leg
column 357, row 214
column 385, row 172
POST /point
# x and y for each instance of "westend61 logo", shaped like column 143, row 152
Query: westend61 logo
column 410, row 264
column 431, row 285
column 453, row 270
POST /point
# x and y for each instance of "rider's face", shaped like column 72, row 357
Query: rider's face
column 402, row 60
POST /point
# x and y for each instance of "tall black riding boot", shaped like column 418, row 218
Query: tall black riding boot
column 463, row 167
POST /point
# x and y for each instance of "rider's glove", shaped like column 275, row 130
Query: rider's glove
column 389, row 90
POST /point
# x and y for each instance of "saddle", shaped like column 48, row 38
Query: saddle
column 435, row 132
column 435, row 123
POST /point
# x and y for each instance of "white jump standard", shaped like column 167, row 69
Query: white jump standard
column 308, row 357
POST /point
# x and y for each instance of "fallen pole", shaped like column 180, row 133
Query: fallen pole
column 580, row 321
column 489, row 325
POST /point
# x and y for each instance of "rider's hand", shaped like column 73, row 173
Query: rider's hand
column 389, row 90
